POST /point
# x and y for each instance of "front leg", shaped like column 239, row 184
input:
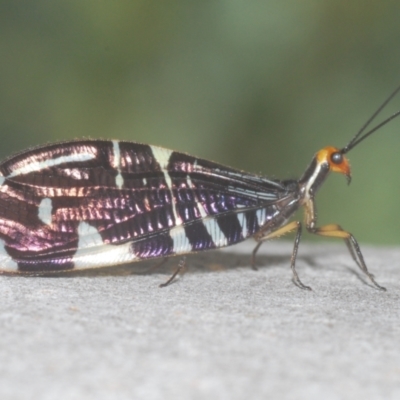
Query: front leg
column 334, row 230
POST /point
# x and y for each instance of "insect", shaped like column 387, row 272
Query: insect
column 91, row 203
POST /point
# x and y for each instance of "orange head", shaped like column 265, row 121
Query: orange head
column 335, row 159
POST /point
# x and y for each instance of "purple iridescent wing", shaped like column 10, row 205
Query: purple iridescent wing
column 85, row 204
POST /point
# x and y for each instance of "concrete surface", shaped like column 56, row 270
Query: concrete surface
column 223, row 331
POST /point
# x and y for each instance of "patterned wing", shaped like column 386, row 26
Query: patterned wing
column 86, row 204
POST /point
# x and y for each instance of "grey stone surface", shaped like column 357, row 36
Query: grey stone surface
column 223, row 331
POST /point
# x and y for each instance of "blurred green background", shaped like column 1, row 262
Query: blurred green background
column 258, row 85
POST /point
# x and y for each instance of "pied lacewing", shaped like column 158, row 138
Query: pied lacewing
column 92, row 203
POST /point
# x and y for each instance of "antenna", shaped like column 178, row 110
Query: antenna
column 358, row 138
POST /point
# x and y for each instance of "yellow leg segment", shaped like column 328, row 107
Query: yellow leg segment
column 282, row 231
column 334, row 230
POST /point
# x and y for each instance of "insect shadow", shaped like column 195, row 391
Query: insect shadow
column 212, row 261
column 310, row 261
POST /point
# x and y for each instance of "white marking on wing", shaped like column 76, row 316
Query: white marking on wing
column 6, row 262
column 202, row 210
column 45, row 210
column 215, row 232
column 189, row 182
column 181, row 242
column 119, row 180
column 200, row 206
column 39, row 165
column 243, row 223
column 261, row 216
column 93, row 252
column 162, row 156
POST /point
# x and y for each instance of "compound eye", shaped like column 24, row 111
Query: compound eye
column 337, row 158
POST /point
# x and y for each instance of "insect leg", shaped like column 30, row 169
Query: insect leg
column 261, row 237
column 295, row 225
column 181, row 266
column 253, row 255
column 334, row 230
